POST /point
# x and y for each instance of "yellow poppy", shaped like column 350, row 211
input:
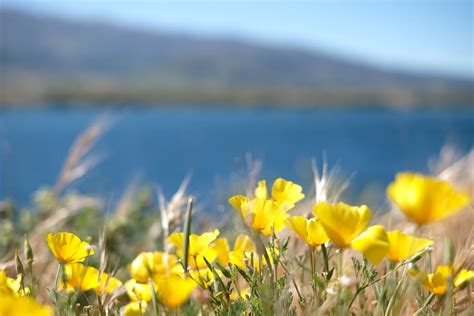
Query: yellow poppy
column 84, row 278
column 425, row 199
column 80, row 277
column 284, row 191
column 174, row 290
column 203, row 277
column 373, row 243
column 403, row 246
column 22, row 306
column 310, row 230
column 436, row 282
column 135, row 309
column 138, row 291
column 243, row 252
column 68, row 248
column 464, row 276
column 264, row 214
column 199, row 247
column 342, row 222
column 107, row 284
column 153, row 264
column 221, row 245
column 10, row 286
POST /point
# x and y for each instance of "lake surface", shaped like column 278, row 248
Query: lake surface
column 161, row 145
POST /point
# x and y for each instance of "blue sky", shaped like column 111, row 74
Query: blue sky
column 429, row 36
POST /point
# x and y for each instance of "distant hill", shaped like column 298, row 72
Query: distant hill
column 47, row 59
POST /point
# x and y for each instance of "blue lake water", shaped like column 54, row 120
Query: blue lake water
column 162, row 145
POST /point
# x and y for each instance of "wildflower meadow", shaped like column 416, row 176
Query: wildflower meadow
column 329, row 259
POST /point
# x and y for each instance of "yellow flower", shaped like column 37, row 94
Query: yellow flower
column 284, row 191
column 80, row 277
column 203, row 277
column 463, row 277
column 221, row 245
column 138, row 291
column 265, row 214
column 310, row 230
column 174, row 290
column 153, row 264
column 68, row 248
column 342, row 222
column 425, row 199
column 403, row 246
column 135, row 309
column 199, row 247
column 107, row 284
column 84, row 278
column 436, row 282
column 244, row 250
column 373, row 243
column 10, row 286
column 22, row 306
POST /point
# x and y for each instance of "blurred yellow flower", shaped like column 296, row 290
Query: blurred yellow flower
column 284, row 191
column 80, row 277
column 135, row 309
column 22, row 306
column 203, row 277
column 464, row 276
column 265, row 214
column 342, row 222
column 403, row 246
column 68, row 248
column 84, row 278
column 199, row 247
column 310, row 230
column 373, row 243
column 138, row 291
column 10, row 286
column 107, row 284
column 221, row 245
column 436, row 282
column 425, row 199
column 153, row 264
column 174, row 290
column 244, row 251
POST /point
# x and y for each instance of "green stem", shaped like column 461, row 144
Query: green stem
column 56, row 279
column 393, row 298
column 425, row 304
column 326, row 260
column 187, row 233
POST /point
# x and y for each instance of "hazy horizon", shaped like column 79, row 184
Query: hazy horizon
column 440, row 40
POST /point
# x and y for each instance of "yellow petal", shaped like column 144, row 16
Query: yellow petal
column 266, row 214
column 81, row 277
column 221, row 245
column 135, row 309
column 342, row 222
column 244, row 243
column 373, row 243
column 239, row 203
column 138, row 291
column 425, row 199
column 68, row 248
column 261, row 191
column 152, row 264
column 316, row 233
column 22, row 306
column 174, row 290
column 286, row 191
column 463, row 277
column 107, row 284
column 298, row 225
column 403, row 246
